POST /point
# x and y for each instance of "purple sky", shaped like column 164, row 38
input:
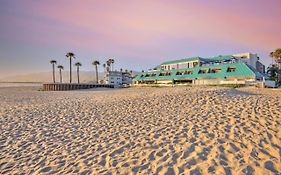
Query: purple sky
column 137, row 34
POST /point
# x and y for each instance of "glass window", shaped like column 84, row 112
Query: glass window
column 231, row 69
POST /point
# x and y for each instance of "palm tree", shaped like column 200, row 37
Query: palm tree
column 78, row 64
column 70, row 55
column 110, row 62
column 104, row 66
column 53, row 62
column 60, row 67
column 121, row 70
column 96, row 63
column 276, row 55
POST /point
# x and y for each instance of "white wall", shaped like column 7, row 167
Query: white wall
column 249, row 58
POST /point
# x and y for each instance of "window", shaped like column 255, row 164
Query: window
column 215, row 70
column 188, row 72
column 179, row 73
column 168, row 73
column 165, row 73
column 150, row 75
column 203, row 71
column 231, row 69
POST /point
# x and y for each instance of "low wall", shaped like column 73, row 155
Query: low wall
column 72, row 86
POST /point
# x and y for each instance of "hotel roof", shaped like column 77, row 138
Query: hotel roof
column 182, row 60
column 241, row 70
column 210, row 59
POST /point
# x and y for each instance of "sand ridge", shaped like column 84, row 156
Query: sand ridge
column 182, row 130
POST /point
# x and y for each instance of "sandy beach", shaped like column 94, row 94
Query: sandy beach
column 181, row 130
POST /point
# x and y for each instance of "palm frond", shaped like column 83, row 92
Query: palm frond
column 78, row 64
column 53, row 62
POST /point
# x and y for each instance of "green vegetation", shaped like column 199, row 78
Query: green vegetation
column 272, row 71
column 276, row 55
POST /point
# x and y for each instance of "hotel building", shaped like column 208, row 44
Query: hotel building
column 227, row 69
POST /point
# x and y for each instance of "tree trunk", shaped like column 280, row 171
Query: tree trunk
column 97, row 76
column 54, row 78
column 70, row 71
column 78, row 80
column 60, row 77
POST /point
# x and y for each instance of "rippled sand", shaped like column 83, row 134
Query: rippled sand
column 178, row 130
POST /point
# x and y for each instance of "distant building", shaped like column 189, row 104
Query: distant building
column 222, row 69
column 113, row 77
column 251, row 59
column 260, row 67
column 127, row 78
column 117, row 78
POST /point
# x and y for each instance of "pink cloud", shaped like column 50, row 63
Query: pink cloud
column 143, row 23
column 132, row 28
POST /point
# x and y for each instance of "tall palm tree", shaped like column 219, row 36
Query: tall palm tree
column 276, row 55
column 112, row 63
column 60, row 67
column 70, row 55
column 96, row 63
column 108, row 64
column 53, row 62
column 104, row 67
column 78, row 64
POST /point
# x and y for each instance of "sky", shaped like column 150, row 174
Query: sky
column 138, row 34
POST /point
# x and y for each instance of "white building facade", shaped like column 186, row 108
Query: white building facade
column 113, row 77
column 117, row 78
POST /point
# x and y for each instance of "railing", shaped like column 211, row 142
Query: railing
column 72, row 86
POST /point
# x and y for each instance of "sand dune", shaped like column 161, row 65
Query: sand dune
column 180, row 130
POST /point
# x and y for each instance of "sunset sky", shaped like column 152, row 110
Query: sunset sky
column 138, row 34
